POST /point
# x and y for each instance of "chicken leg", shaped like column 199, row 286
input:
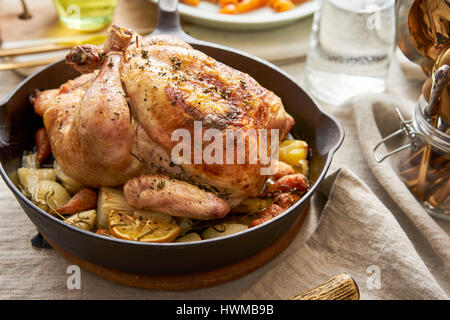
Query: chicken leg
column 93, row 137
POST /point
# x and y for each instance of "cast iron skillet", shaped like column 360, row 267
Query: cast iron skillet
column 18, row 124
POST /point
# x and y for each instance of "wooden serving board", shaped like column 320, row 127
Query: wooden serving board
column 195, row 280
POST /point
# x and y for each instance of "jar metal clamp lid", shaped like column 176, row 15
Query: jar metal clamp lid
column 407, row 128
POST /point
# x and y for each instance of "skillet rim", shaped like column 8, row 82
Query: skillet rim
column 194, row 42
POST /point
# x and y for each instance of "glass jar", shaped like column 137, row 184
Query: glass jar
column 424, row 163
column 350, row 49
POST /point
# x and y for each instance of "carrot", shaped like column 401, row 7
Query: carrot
column 281, row 169
column 192, row 2
column 249, row 5
column 84, row 199
column 229, row 9
column 42, row 145
column 286, row 200
column 102, row 231
column 292, row 182
column 270, row 213
column 282, row 5
column 223, row 3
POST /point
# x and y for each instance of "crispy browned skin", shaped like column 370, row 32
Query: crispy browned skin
column 172, row 85
column 86, row 58
column 89, row 125
column 166, row 85
column 177, row 198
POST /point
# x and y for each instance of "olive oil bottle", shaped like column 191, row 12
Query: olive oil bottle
column 85, row 15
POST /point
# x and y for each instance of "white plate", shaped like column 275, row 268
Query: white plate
column 265, row 18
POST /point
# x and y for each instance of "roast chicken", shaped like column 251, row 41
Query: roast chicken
column 113, row 125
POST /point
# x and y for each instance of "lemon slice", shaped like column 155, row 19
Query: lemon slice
column 141, row 228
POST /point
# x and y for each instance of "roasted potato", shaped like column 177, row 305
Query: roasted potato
column 302, row 167
column 29, row 160
column 223, row 229
column 293, row 151
column 29, row 178
column 252, row 205
column 83, row 220
column 50, row 195
column 110, row 199
column 41, row 174
column 72, row 185
column 185, row 224
column 189, row 237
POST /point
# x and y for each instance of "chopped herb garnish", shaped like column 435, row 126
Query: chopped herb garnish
column 176, row 62
column 224, row 94
column 161, row 184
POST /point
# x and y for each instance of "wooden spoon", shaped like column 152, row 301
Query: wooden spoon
column 404, row 40
column 428, row 26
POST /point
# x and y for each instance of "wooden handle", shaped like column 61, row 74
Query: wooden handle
column 340, row 287
column 26, row 64
column 34, row 49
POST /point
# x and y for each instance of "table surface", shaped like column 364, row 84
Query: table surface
column 286, row 47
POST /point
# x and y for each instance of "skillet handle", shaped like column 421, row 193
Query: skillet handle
column 169, row 21
column 340, row 287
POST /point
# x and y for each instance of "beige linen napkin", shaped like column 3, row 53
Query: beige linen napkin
column 431, row 235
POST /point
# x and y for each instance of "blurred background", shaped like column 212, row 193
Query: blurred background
column 282, row 38
column 274, row 42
